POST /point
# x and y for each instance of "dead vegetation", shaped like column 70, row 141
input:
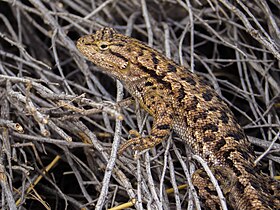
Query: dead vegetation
column 60, row 121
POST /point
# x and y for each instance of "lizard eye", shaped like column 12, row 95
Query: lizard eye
column 103, row 46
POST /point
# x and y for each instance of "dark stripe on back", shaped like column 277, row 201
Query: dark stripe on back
column 220, row 144
column 171, row 68
column 192, row 104
column 189, row 80
column 224, row 117
column 154, row 75
column 207, row 95
column 154, row 58
column 210, row 126
column 236, row 135
column 163, row 127
column 182, row 94
column 200, row 115
column 140, row 53
column 213, row 109
column 149, row 83
column 207, row 138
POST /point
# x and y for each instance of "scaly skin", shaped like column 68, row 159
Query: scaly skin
column 181, row 101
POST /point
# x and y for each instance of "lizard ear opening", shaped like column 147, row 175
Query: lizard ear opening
column 103, row 45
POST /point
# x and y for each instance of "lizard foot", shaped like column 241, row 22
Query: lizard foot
column 138, row 143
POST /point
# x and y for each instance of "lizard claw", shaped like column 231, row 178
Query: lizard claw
column 134, row 142
column 134, row 134
column 138, row 143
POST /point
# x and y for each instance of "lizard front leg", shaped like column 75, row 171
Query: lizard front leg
column 161, row 129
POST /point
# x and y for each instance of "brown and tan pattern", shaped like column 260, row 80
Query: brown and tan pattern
column 181, row 101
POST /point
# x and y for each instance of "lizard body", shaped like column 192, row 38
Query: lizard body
column 182, row 101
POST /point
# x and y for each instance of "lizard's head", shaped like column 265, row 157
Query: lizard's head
column 107, row 49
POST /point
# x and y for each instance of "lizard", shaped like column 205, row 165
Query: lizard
column 183, row 102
